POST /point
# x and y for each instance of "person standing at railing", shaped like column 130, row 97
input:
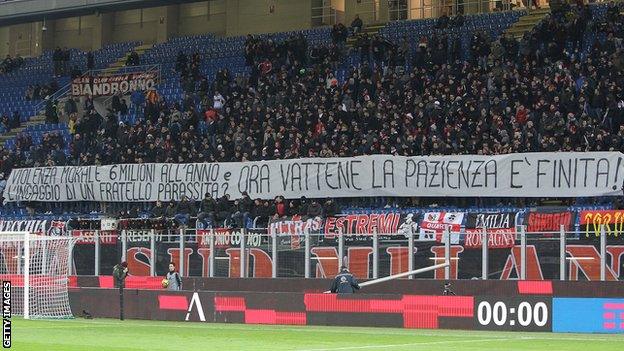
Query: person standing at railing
column 224, row 210
column 314, row 209
column 280, row 208
column 57, row 60
column 137, row 98
column 66, row 60
column 88, row 103
column 243, row 210
column 184, row 211
column 331, row 208
column 90, row 60
column 207, row 210
column 71, row 106
column 170, row 211
column 50, row 110
column 158, row 211
column 181, row 62
column 260, row 213
column 116, row 102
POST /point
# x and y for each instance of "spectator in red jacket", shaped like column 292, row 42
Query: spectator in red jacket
column 280, row 207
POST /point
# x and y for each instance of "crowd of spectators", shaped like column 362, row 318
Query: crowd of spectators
column 239, row 213
column 544, row 92
column 11, row 63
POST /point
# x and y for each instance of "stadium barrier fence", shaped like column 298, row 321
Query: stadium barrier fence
column 304, row 252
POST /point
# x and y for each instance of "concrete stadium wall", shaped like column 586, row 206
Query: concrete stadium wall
column 76, row 32
column 258, row 16
column 158, row 24
column 221, row 17
column 140, row 25
column 202, row 17
column 26, row 39
column 4, row 41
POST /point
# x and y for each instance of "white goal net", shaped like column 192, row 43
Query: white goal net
column 37, row 267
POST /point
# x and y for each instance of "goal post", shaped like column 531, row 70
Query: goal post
column 38, row 268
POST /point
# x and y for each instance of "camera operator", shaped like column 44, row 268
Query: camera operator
column 120, row 272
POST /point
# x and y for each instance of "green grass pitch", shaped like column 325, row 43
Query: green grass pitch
column 108, row 335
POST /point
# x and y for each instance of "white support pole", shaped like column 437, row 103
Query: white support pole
column 70, row 260
column 44, row 256
column 603, row 253
column 124, row 245
column 401, row 275
column 182, row 263
column 96, row 241
column 484, row 254
column 274, row 253
column 375, row 254
column 26, row 274
column 562, row 253
column 410, row 249
column 20, row 269
column 340, row 250
column 447, row 253
column 307, row 254
column 211, row 258
column 522, row 253
column 242, row 259
column 152, row 253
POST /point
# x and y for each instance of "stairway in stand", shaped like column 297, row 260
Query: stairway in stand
column 371, row 30
column 527, row 22
column 35, row 120
column 121, row 62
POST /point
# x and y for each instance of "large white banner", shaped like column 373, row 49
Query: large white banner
column 516, row 175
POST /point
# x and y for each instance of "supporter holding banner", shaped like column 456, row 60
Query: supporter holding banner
column 545, row 174
column 500, row 228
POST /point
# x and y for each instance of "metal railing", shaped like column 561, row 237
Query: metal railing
column 405, row 10
column 324, row 15
column 368, row 10
column 472, row 254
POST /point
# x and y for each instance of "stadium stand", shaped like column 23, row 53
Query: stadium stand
column 418, row 88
